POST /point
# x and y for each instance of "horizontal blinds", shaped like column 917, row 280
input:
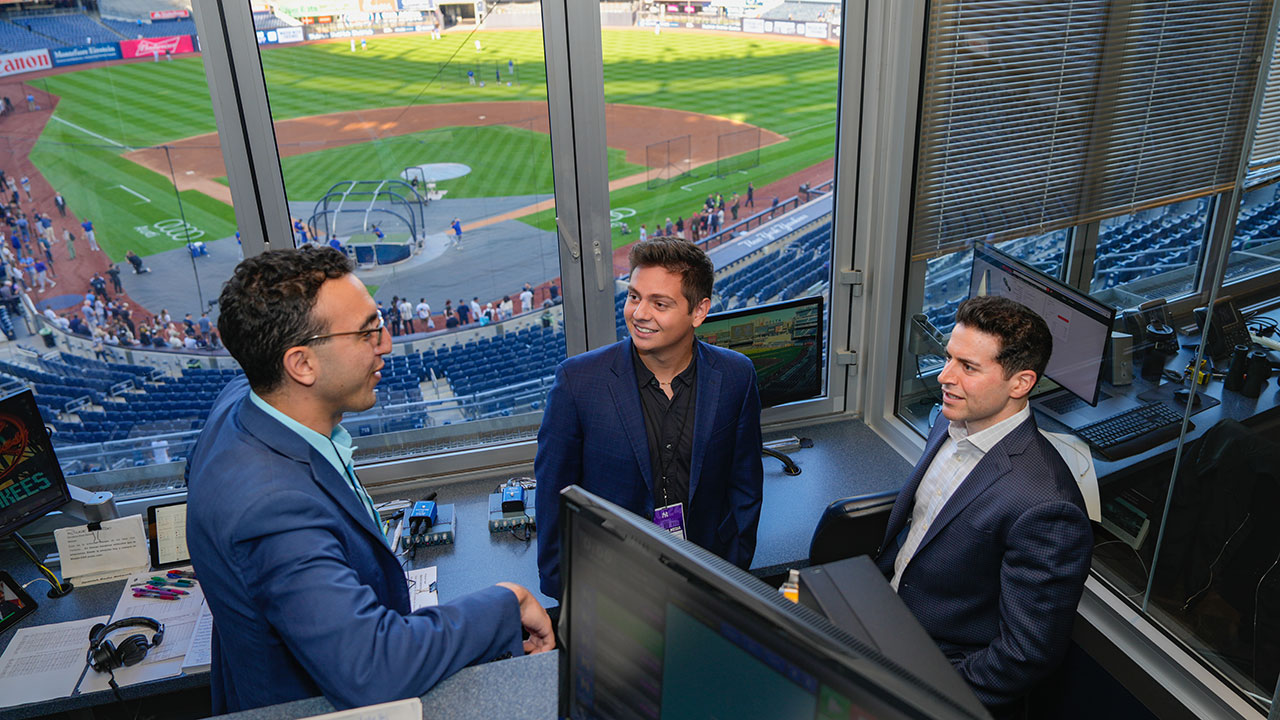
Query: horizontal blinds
column 1036, row 115
column 1264, row 158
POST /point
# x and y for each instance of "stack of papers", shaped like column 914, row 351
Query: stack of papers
column 44, row 662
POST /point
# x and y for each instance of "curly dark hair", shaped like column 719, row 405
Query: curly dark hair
column 266, row 308
column 1025, row 341
column 697, row 273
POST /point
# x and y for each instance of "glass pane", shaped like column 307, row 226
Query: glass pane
column 425, row 156
column 1256, row 247
column 934, row 296
column 726, row 139
column 143, row 225
column 1150, row 254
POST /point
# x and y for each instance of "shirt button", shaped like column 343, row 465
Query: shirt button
column 668, row 446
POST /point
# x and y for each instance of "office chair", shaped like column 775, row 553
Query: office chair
column 850, row 527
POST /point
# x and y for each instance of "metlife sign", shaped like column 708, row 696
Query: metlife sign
column 84, row 54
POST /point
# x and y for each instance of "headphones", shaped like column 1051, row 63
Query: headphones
column 105, row 657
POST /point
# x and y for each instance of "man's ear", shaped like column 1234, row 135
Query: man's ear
column 1022, row 384
column 700, row 311
column 300, row 365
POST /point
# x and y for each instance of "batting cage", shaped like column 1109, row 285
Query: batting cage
column 667, row 160
column 737, row 151
column 379, row 222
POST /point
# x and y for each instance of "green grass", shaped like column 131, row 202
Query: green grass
column 782, row 86
column 486, row 150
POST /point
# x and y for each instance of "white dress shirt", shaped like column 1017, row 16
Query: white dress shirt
column 957, row 457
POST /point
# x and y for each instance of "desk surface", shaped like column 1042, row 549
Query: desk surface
column 847, row 459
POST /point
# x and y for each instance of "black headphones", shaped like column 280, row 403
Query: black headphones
column 105, row 657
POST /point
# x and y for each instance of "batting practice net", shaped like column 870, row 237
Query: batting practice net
column 737, row 151
column 667, row 160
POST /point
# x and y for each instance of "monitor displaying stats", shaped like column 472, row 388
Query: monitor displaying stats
column 1079, row 324
column 783, row 341
column 31, row 481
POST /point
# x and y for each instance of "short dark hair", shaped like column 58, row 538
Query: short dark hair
column 1025, row 341
column 266, row 308
column 689, row 261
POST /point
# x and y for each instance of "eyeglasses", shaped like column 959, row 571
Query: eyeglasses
column 372, row 336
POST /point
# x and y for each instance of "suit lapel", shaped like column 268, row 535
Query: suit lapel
column 290, row 444
column 994, row 465
column 706, row 402
column 905, row 501
column 626, row 398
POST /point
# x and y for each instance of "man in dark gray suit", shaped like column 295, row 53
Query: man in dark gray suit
column 988, row 542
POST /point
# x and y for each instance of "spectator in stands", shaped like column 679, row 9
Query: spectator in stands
column 164, row 318
column 188, row 324
column 59, row 322
column 189, row 342
column 450, row 319
column 669, row 228
column 526, row 299
column 392, row 314
column 448, row 306
column 114, row 273
column 475, row 308
column 505, row 308
column 464, row 312
column 78, row 326
column 554, row 291
column 99, row 351
column 206, row 325
column 424, row 315
column 547, row 318
column 406, row 315
column 136, row 262
column 680, row 225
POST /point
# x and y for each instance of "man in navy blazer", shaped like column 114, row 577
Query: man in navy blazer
column 661, row 423
column 988, row 543
column 306, row 596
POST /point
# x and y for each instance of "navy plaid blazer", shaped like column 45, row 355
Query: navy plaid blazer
column 593, row 436
column 996, row 579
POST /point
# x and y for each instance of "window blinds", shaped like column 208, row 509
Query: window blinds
column 1040, row 115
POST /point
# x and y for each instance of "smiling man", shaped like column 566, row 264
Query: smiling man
column 306, row 596
column 661, row 424
column 988, row 542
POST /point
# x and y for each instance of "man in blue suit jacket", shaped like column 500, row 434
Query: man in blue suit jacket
column 306, row 596
column 659, row 422
column 988, row 543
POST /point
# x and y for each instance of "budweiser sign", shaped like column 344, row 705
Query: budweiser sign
column 147, row 47
column 169, row 14
column 15, row 63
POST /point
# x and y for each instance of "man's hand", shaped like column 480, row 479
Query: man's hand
column 534, row 620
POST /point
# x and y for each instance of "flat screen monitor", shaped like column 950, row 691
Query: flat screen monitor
column 784, row 342
column 31, row 481
column 656, row 627
column 1080, row 325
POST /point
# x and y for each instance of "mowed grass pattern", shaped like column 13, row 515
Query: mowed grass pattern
column 487, row 150
column 784, row 86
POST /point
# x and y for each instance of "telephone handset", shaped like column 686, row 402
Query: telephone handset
column 1227, row 330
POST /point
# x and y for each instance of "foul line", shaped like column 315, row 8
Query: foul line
column 134, row 193
column 86, row 131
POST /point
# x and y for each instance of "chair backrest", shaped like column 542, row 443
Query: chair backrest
column 851, row 527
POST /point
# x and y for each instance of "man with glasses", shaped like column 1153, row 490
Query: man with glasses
column 307, row 597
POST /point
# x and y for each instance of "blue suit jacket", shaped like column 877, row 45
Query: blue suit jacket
column 593, row 436
column 306, row 596
column 996, row 579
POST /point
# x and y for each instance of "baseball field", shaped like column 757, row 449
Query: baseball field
column 408, row 100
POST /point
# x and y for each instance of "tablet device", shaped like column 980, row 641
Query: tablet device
column 167, row 535
column 15, row 603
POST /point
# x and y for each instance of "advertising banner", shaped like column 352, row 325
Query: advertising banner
column 170, row 14
column 20, row 62
column 147, row 47
column 280, row 35
column 815, row 30
column 84, row 54
column 752, row 25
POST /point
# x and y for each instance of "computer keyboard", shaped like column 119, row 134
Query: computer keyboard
column 1133, row 431
column 1066, row 402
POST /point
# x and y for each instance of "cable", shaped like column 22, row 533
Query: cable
column 59, row 587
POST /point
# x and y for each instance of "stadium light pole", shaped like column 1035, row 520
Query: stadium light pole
column 186, row 229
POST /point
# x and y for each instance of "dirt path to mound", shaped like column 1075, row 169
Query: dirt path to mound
column 198, row 160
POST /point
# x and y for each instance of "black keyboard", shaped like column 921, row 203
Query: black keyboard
column 1133, row 431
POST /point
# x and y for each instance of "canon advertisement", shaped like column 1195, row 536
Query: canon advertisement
column 21, row 62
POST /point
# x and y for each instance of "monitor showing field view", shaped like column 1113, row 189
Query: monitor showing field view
column 783, row 340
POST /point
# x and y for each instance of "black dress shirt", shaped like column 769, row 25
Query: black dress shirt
column 668, row 424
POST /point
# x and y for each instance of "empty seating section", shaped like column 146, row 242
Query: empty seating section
column 948, row 276
column 140, row 9
column 1145, row 247
column 779, row 275
column 75, row 29
column 489, row 364
column 804, row 12
column 14, row 38
column 159, row 28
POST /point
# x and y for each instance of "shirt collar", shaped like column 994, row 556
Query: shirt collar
column 986, row 439
column 339, row 439
column 644, row 375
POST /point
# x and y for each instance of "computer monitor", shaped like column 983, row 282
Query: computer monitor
column 656, row 627
column 1080, row 325
column 31, row 481
column 783, row 340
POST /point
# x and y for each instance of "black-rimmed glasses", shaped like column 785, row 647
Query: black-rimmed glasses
column 373, row 336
